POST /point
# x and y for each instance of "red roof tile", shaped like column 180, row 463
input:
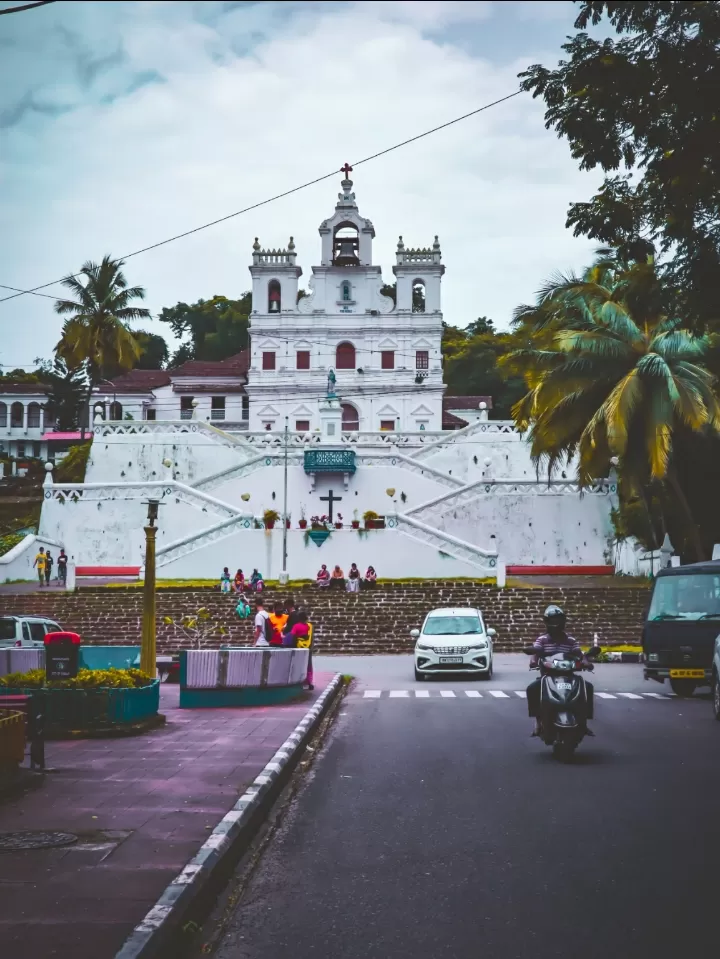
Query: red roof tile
column 135, row 381
column 24, row 389
column 233, row 366
column 452, row 422
column 466, row 402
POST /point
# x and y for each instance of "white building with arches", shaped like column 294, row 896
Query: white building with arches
column 385, row 352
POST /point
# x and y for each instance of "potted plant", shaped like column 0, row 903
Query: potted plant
column 372, row 519
column 355, row 521
column 288, row 521
column 339, row 521
column 270, row 518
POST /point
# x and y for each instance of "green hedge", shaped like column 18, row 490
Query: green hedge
column 85, row 679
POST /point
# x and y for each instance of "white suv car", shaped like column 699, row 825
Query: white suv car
column 25, row 631
column 453, row 641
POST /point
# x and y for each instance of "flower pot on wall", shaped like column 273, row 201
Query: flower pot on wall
column 356, row 524
column 302, row 523
column 318, row 536
column 269, row 524
column 338, row 526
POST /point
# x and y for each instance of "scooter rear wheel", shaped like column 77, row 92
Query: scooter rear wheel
column 564, row 752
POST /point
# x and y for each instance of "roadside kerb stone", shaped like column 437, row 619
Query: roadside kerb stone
column 194, row 887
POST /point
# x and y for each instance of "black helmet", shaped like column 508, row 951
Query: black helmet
column 554, row 617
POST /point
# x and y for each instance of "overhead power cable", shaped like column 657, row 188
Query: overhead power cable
column 26, row 6
column 279, row 196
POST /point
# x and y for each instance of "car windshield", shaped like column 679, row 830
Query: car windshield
column 452, row 626
column 7, row 628
column 687, row 596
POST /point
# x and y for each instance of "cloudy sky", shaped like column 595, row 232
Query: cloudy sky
column 122, row 123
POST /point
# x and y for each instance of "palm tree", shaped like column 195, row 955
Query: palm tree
column 97, row 331
column 97, row 334
column 616, row 381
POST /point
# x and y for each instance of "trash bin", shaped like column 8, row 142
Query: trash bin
column 61, row 655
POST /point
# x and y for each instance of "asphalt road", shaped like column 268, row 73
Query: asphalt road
column 435, row 827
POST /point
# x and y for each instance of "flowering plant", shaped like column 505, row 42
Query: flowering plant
column 319, row 522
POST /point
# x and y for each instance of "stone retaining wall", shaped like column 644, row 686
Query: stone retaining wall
column 377, row 621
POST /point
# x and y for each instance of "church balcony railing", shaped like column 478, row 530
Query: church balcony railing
column 329, row 461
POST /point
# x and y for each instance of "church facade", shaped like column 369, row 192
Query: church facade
column 383, row 345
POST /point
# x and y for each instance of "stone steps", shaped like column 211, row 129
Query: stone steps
column 376, row 621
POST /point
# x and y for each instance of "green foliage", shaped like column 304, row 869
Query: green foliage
column 97, row 332
column 69, row 388
column 472, row 367
column 216, row 328
column 85, row 679
column 647, row 102
column 155, row 353
column 616, row 380
column 9, row 540
column 270, row 516
column 74, row 465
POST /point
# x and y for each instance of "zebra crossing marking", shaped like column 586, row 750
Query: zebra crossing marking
column 494, row 693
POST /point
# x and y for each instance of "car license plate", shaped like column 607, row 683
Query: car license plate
column 687, row 674
column 451, row 659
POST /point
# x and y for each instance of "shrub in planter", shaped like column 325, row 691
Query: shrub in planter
column 85, row 679
column 270, row 518
column 372, row 519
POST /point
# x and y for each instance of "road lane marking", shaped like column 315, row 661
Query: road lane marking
column 656, row 695
column 605, row 695
column 422, row 694
column 498, row 694
column 399, row 694
column 473, row 694
column 372, row 693
column 630, row 695
column 447, row 694
column 521, row 693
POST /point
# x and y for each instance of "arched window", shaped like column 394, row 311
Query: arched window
column 345, row 356
column 33, row 419
column 350, row 418
column 3, row 414
column 418, row 297
column 16, row 415
column 274, row 298
column 116, row 411
column 346, row 292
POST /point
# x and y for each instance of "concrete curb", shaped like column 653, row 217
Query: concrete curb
column 218, row 855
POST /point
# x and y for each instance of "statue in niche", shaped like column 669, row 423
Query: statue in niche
column 331, row 383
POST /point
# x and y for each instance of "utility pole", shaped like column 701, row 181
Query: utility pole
column 284, row 574
column 148, row 653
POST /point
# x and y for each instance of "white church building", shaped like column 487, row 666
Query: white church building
column 385, row 353
column 337, row 411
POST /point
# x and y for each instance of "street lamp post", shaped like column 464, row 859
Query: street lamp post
column 284, row 574
column 148, row 654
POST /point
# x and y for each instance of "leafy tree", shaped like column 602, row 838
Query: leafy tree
column 647, row 102
column 471, row 361
column 155, row 353
column 389, row 289
column 621, row 381
column 97, row 332
column 217, row 328
column 68, row 394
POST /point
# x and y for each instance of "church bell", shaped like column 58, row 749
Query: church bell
column 345, row 254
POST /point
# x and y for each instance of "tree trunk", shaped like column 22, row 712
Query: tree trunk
column 695, row 539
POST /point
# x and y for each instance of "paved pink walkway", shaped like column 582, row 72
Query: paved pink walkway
column 142, row 806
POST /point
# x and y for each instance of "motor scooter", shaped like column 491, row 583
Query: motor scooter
column 563, row 700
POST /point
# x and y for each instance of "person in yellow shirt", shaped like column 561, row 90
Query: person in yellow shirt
column 40, row 564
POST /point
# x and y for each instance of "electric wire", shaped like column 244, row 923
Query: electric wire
column 279, row 196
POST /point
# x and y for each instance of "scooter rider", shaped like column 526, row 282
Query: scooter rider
column 555, row 641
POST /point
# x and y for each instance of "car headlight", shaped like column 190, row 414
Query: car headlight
column 481, row 645
column 420, row 645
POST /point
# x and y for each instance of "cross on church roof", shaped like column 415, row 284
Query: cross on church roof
column 347, row 170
